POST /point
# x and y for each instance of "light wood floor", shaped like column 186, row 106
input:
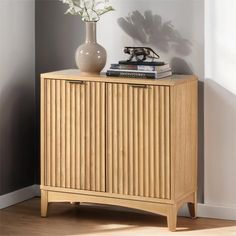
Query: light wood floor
column 71, row 220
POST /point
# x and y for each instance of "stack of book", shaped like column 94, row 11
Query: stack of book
column 140, row 69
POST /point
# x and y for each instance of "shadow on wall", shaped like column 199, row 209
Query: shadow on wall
column 150, row 29
column 180, row 66
column 16, row 136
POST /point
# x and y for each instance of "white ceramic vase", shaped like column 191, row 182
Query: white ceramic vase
column 91, row 57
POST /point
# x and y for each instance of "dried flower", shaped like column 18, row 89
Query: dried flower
column 89, row 10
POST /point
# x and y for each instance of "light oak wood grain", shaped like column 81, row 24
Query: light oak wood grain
column 63, row 134
column 76, row 76
column 139, row 132
column 68, row 136
column 78, row 133
column 48, row 133
column 73, row 137
column 125, row 142
column 43, row 120
column 58, row 133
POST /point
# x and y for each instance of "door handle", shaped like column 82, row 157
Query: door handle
column 144, row 86
column 76, row 82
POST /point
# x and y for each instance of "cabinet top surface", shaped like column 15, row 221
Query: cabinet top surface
column 74, row 74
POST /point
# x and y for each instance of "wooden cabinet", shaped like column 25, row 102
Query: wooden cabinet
column 125, row 142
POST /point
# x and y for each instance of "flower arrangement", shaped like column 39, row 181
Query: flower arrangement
column 89, row 10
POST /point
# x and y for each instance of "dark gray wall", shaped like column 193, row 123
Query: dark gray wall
column 57, row 37
column 17, row 67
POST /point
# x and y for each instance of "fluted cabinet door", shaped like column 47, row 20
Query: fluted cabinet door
column 138, row 140
column 73, row 151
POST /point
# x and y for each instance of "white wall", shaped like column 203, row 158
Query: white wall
column 17, row 74
column 220, row 104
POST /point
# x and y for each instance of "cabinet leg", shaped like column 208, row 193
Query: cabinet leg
column 192, row 206
column 172, row 218
column 44, row 203
column 75, row 203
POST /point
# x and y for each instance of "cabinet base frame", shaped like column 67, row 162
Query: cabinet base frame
column 169, row 210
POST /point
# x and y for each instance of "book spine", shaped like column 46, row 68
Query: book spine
column 131, row 74
column 140, row 67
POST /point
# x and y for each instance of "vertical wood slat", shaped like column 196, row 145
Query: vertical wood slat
column 48, row 132
column 42, row 131
column 92, row 131
column 136, row 143
column 156, row 142
column 131, row 163
column 87, row 137
column 78, row 128
column 58, row 134
column 115, row 141
column 97, row 138
column 125, row 140
column 162, row 141
column 82, row 141
column 53, row 133
column 151, row 142
column 68, row 137
column 120, row 138
column 140, row 142
column 144, row 124
column 109, row 139
column 63, row 133
column 102, row 138
column 74, row 134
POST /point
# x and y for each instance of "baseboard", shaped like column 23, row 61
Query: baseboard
column 217, row 212
column 17, row 196
column 37, row 190
column 211, row 211
column 203, row 210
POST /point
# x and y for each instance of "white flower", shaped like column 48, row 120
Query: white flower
column 89, row 10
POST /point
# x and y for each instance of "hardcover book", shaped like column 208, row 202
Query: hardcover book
column 138, row 74
column 162, row 68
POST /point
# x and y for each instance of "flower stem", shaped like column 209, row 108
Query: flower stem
column 86, row 10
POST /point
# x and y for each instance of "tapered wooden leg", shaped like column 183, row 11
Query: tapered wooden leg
column 172, row 218
column 44, row 203
column 192, row 206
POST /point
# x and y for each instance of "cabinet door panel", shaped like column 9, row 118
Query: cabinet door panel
column 138, row 140
column 74, row 134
